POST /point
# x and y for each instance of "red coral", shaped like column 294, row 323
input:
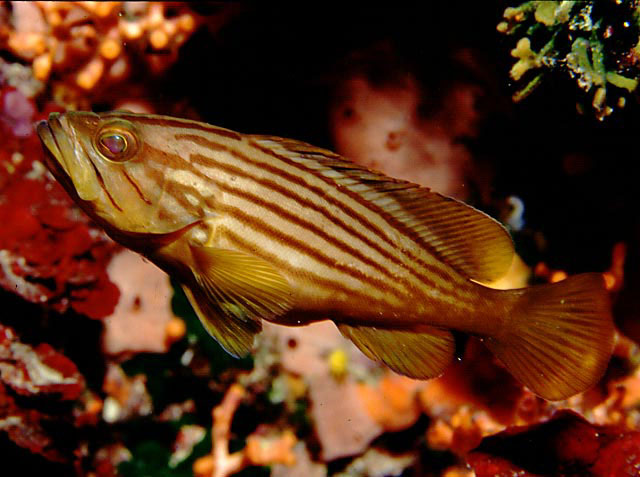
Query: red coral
column 19, row 222
column 485, row 465
column 49, row 251
column 565, row 445
column 98, row 301
column 30, row 371
column 619, row 458
column 72, row 383
column 24, row 427
column 56, row 216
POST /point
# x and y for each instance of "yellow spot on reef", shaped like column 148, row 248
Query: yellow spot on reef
column 338, row 361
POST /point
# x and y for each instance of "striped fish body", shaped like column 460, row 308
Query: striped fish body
column 258, row 227
column 341, row 257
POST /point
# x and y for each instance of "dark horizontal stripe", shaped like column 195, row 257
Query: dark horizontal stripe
column 275, row 187
column 327, row 284
column 261, row 225
column 288, row 241
column 391, row 221
column 208, row 162
column 310, row 227
column 160, row 176
column 295, row 179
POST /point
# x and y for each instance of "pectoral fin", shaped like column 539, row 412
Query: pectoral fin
column 421, row 354
column 234, row 292
column 235, row 336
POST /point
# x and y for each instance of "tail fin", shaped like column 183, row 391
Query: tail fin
column 559, row 337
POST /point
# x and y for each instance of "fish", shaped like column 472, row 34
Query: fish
column 257, row 227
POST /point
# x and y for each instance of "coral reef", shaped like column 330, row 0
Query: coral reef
column 595, row 43
column 35, row 371
column 106, row 371
column 381, row 126
column 50, row 253
column 564, row 445
column 261, row 449
column 142, row 321
column 89, row 47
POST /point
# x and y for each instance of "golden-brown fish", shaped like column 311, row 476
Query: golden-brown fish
column 258, row 227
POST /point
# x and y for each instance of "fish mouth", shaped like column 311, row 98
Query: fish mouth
column 65, row 158
column 51, row 146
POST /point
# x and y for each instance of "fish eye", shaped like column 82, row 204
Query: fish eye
column 116, row 142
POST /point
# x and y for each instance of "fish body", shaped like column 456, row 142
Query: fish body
column 259, row 227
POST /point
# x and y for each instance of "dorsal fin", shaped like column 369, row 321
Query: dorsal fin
column 467, row 239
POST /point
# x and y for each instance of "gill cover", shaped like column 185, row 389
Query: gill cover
column 122, row 167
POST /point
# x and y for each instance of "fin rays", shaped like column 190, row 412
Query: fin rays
column 466, row 238
column 560, row 336
column 419, row 354
column 234, row 292
column 235, row 336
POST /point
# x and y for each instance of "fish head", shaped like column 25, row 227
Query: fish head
column 115, row 166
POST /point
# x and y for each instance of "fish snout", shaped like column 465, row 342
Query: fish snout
column 53, row 155
column 66, row 159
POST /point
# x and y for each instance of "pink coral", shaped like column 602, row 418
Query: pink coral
column 17, row 110
column 142, row 320
column 380, row 128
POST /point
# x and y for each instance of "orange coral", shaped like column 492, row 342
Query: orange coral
column 91, row 44
column 271, row 450
column 175, row 330
column 260, row 449
column 393, row 402
column 88, row 409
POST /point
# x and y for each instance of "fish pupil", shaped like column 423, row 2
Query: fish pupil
column 114, row 143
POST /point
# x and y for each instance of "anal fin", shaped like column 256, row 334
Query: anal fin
column 419, row 354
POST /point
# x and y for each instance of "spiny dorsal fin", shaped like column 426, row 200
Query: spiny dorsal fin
column 422, row 354
column 467, row 239
column 235, row 290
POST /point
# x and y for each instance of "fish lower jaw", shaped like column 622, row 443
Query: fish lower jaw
column 88, row 193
